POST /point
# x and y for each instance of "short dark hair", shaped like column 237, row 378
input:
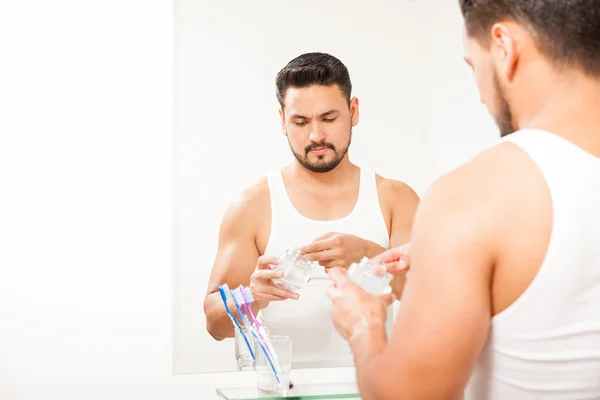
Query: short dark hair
column 313, row 69
column 566, row 32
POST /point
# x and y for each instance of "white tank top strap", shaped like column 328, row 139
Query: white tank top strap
column 370, row 207
column 368, row 190
column 275, row 187
column 278, row 194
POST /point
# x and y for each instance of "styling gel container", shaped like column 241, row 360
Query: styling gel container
column 296, row 271
column 373, row 279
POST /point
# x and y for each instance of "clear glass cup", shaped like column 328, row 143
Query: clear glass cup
column 266, row 380
column 373, row 279
column 296, row 271
column 243, row 357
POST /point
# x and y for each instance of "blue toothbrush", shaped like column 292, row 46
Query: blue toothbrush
column 238, row 299
column 225, row 293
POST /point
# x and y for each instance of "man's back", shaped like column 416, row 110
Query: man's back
column 503, row 296
column 546, row 342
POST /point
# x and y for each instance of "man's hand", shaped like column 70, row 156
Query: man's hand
column 396, row 259
column 354, row 311
column 339, row 250
column 261, row 283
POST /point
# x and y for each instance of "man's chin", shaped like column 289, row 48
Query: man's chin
column 322, row 170
column 321, row 167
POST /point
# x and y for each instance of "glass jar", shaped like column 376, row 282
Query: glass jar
column 243, row 357
column 373, row 279
column 296, row 270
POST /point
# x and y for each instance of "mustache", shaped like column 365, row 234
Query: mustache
column 318, row 145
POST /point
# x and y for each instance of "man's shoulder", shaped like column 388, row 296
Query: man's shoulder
column 489, row 188
column 394, row 189
column 249, row 212
column 253, row 198
column 248, row 204
column 503, row 164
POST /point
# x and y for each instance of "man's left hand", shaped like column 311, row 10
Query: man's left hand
column 354, row 311
column 336, row 250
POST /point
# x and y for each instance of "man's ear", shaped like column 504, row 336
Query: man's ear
column 282, row 117
column 505, row 50
column 354, row 112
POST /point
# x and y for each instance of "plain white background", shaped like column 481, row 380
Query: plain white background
column 87, row 182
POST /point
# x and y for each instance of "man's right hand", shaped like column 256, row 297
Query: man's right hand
column 261, row 283
column 396, row 259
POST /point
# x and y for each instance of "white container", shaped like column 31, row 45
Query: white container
column 296, row 271
column 373, row 279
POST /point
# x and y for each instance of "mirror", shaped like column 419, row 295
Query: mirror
column 229, row 136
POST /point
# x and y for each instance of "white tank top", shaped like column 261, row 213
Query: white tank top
column 546, row 345
column 315, row 342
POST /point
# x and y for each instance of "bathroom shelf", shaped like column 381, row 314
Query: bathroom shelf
column 298, row 392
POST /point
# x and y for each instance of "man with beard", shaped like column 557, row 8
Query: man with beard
column 331, row 209
column 504, row 282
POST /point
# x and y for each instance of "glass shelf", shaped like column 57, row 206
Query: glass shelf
column 298, row 392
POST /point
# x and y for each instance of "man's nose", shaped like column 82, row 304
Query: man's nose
column 317, row 133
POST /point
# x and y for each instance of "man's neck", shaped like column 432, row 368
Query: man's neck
column 339, row 176
column 569, row 107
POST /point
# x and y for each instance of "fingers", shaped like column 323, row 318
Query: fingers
column 396, row 259
column 387, row 299
column 333, row 292
column 325, row 236
column 265, row 262
column 264, row 297
column 404, row 262
column 325, row 255
column 379, row 269
column 319, row 246
column 396, row 266
column 388, row 256
column 271, row 292
column 332, row 264
column 338, row 276
column 266, row 275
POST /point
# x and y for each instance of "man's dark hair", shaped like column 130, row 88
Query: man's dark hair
column 567, row 32
column 313, row 69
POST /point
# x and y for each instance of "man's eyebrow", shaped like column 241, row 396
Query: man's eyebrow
column 298, row 116
column 325, row 114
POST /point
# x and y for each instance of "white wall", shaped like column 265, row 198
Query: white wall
column 228, row 132
column 86, row 194
column 460, row 125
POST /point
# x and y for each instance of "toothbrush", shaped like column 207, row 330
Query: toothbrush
column 237, row 299
column 249, row 299
column 225, row 293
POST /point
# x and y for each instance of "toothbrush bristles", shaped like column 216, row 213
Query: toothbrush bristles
column 248, row 295
column 237, row 296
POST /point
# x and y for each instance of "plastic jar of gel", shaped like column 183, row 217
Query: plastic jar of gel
column 371, row 278
column 296, row 270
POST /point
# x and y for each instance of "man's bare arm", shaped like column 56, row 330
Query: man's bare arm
column 234, row 264
column 404, row 207
column 444, row 319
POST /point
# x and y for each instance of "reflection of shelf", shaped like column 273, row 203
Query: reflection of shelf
column 298, row 392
